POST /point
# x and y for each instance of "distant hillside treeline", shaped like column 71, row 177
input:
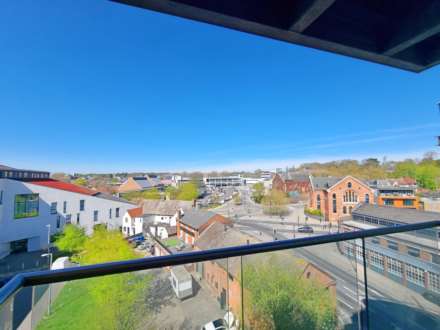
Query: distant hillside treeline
column 426, row 171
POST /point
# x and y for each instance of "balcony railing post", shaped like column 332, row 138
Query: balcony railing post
column 366, row 319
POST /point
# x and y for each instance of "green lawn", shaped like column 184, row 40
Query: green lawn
column 171, row 242
column 73, row 309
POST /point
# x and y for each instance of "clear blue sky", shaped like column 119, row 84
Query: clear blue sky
column 98, row 86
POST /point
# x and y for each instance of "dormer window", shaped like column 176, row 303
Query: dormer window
column 349, row 185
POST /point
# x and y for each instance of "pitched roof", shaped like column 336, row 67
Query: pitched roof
column 320, row 182
column 54, row 184
column 111, row 198
column 395, row 214
column 143, row 182
column 167, row 207
column 196, row 218
column 136, row 212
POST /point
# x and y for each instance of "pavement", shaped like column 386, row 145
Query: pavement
column 170, row 313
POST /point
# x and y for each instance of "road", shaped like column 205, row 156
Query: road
column 385, row 310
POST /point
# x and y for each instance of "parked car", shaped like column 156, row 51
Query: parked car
column 228, row 322
column 305, row 229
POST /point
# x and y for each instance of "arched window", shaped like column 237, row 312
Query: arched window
column 367, row 199
column 318, row 202
column 350, row 209
column 344, row 210
column 349, row 185
column 334, row 203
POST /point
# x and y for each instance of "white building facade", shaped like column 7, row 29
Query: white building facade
column 32, row 210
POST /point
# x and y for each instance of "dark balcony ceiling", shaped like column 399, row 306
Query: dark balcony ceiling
column 400, row 33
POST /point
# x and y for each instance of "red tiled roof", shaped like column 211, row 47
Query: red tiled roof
column 136, row 212
column 50, row 183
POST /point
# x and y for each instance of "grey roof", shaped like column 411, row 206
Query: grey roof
column 112, row 198
column 6, row 168
column 196, row 218
column 181, row 273
column 167, row 207
column 395, row 214
column 321, row 182
column 143, row 182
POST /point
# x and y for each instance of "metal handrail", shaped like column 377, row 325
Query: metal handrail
column 81, row 272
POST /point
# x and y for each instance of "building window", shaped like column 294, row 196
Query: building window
column 395, row 267
column 349, row 185
column 344, row 210
column 350, row 208
column 117, row 212
column 82, row 204
column 393, row 245
column 69, row 218
column 110, row 213
column 53, row 208
column 434, row 282
column 1, row 197
column 64, row 207
column 415, row 275
column 77, row 218
column 350, row 197
column 367, row 199
column 413, row 252
column 334, row 203
column 408, row 202
column 388, row 202
column 435, row 258
column 95, row 215
column 376, row 259
column 58, row 222
column 26, row 206
column 318, row 202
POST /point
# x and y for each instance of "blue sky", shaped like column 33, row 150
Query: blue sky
column 99, row 86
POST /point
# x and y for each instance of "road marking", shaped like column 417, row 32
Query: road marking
column 346, row 304
column 376, row 292
column 352, row 291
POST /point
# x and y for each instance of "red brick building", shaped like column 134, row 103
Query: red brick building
column 194, row 222
column 223, row 275
column 337, row 197
column 297, row 186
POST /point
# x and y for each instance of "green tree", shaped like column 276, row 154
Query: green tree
column 258, row 192
column 71, row 240
column 171, row 192
column 406, row 168
column 275, row 202
column 153, row 193
column 427, row 176
column 80, row 181
column 278, row 297
column 117, row 298
column 188, row 192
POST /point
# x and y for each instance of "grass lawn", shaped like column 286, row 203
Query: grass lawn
column 171, row 242
column 73, row 309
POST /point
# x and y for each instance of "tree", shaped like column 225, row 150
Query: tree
column 427, row 176
column 60, row 176
column 153, row 193
column 188, row 192
column 258, row 192
column 117, row 298
column 275, row 202
column 80, row 181
column 71, row 240
column 406, row 168
column 278, row 297
column 171, row 192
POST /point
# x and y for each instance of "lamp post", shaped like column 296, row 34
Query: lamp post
column 50, row 256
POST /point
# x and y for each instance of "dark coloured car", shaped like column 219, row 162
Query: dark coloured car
column 305, row 229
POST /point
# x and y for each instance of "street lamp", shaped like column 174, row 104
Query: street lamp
column 50, row 256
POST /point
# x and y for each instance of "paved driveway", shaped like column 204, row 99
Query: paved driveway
column 169, row 313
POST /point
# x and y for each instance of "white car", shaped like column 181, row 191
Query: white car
column 226, row 323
